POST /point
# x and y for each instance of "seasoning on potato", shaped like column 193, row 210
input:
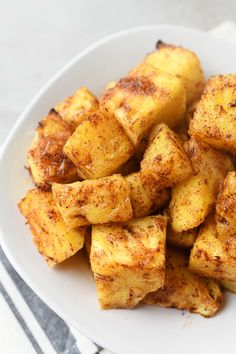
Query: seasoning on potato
column 153, row 143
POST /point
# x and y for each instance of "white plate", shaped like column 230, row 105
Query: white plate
column 69, row 289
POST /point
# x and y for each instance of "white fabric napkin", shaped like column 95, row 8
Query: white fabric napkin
column 20, row 331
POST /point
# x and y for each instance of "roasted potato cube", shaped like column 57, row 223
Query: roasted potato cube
column 128, row 260
column 165, row 163
column 210, row 255
column 95, row 201
column 110, row 85
column 99, row 146
column 180, row 62
column 194, row 198
column 145, row 97
column 185, row 290
column 142, row 204
column 52, row 237
column 229, row 285
column 145, row 198
column 75, row 109
column 225, row 208
column 47, row 161
column 183, row 239
column 162, row 198
column 214, row 119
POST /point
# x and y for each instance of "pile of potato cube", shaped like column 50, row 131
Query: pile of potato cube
column 144, row 179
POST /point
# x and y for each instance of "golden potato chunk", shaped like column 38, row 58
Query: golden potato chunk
column 75, row 109
column 47, row 161
column 194, row 198
column 184, row 239
column 185, row 290
column 99, row 146
column 95, row 201
column 142, row 204
column 210, row 256
column 128, row 260
column 110, row 85
column 180, row 62
column 229, row 285
column 52, row 237
column 165, row 162
column 145, row 198
column 214, row 119
column 226, row 207
column 145, row 97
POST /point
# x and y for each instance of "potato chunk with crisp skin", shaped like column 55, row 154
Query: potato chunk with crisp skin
column 99, row 146
column 145, row 97
column 211, row 256
column 184, row 239
column 47, row 161
column 95, row 201
column 145, row 198
column 214, row 120
column 180, row 62
column 53, row 238
column 128, row 260
column 194, row 198
column 229, row 285
column 185, row 290
column 165, row 162
column 226, row 207
column 76, row 108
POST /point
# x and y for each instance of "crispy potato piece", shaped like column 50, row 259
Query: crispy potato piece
column 132, row 165
column 210, row 255
column 194, row 198
column 185, row 290
column 180, row 62
column 214, row 119
column 142, row 204
column 128, row 261
column 165, row 163
column 225, row 208
column 145, row 97
column 229, row 285
column 99, row 146
column 46, row 159
column 110, row 85
column 145, row 198
column 75, row 109
column 52, row 237
column 184, row 239
column 161, row 198
column 95, row 201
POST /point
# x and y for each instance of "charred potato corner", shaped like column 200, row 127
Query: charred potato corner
column 143, row 179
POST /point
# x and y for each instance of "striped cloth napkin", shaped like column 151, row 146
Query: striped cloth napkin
column 27, row 325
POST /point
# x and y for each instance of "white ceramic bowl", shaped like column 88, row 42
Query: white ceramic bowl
column 68, row 289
